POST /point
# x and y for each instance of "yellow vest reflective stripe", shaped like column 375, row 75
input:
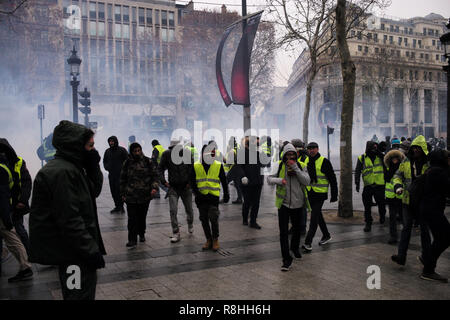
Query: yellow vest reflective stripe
column 17, row 167
column 266, row 149
column 389, row 190
column 208, row 183
column 321, row 186
column 372, row 173
column 10, row 178
column 280, row 192
column 405, row 170
column 160, row 150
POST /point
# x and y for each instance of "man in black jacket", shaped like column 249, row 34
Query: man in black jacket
column 178, row 184
column 322, row 174
column 113, row 160
column 249, row 169
column 64, row 228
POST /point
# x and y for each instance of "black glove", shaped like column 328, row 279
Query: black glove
column 357, row 188
column 333, row 199
column 226, row 198
column 95, row 261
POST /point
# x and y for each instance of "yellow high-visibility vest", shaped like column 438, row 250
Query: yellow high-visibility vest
column 372, row 173
column 160, row 150
column 208, row 183
column 280, row 192
column 10, row 178
column 321, row 186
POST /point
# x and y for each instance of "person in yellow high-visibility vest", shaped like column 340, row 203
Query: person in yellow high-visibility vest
column 156, row 158
column 290, row 199
column 392, row 161
column 206, row 177
column 322, row 175
column 370, row 167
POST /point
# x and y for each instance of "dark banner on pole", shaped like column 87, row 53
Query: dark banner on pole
column 223, row 90
column 240, row 89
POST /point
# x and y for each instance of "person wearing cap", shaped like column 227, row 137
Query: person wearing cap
column 322, row 175
column 370, row 167
column 178, row 184
column 206, row 177
column 395, row 144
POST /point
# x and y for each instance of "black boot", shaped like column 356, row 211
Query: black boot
column 368, row 227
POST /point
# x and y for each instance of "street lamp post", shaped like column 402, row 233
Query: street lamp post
column 74, row 62
column 445, row 41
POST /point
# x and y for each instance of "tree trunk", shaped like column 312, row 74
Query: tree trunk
column 345, row 208
column 306, row 111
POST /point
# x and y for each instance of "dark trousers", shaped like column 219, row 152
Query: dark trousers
column 114, row 186
column 252, row 196
column 209, row 216
column 237, row 184
column 395, row 208
column 88, row 283
column 316, row 220
column 405, row 235
column 137, row 215
column 284, row 214
column 378, row 193
column 440, row 229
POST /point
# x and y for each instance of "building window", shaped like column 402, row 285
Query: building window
column 411, row 75
column 359, row 48
column 359, row 35
column 424, row 31
column 377, row 50
column 430, row 76
column 426, row 56
column 375, row 37
column 164, row 34
column 406, row 42
column 421, row 55
column 384, row 38
column 391, row 28
column 416, row 75
column 164, row 18
column 419, row 42
column 425, row 76
column 126, row 31
column 157, row 17
column 92, row 11
column 133, row 14
column 397, row 29
column 171, row 35
column 437, row 57
column 382, row 26
column 171, row 20
column 149, row 16
column 415, row 105
column 414, row 43
column 101, row 11
column 398, row 105
column 92, row 28
column 117, row 13
column 428, row 105
column 141, row 16
column 433, row 42
column 413, row 55
column 110, row 12
column 366, row 49
column 407, row 54
column 117, row 30
column 101, row 29
column 399, row 41
column 391, row 39
column 353, row 33
column 126, row 14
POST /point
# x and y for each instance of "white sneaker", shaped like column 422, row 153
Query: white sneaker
column 175, row 238
column 191, row 228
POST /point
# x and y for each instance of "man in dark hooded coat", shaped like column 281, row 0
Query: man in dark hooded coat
column 113, row 160
column 64, row 228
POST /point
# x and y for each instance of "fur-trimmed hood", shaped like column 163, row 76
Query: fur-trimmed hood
column 391, row 154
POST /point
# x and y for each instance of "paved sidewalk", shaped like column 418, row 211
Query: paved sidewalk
column 246, row 267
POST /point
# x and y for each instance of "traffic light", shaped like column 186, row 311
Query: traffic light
column 85, row 101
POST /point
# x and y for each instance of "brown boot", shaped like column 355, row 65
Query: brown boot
column 215, row 245
column 207, row 245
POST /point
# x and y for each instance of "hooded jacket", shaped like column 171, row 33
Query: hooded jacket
column 411, row 168
column 390, row 167
column 21, row 191
column 294, row 197
column 178, row 173
column 114, row 158
column 370, row 154
column 64, row 225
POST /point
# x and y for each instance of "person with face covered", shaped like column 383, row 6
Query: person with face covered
column 113, row 160
column 139, row 183
column 291, row 181
column 64, row 228
column 392, row 162
column 206, row 177
column 413, row 166
column 370, row 166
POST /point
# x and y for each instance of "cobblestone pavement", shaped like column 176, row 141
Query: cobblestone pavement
column 246, row 267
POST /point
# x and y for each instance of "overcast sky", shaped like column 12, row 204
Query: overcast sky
column 398, row 8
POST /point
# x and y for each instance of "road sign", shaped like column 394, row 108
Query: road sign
column 41, row 112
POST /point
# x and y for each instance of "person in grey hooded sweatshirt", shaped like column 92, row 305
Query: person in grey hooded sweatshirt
column 290, row 199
